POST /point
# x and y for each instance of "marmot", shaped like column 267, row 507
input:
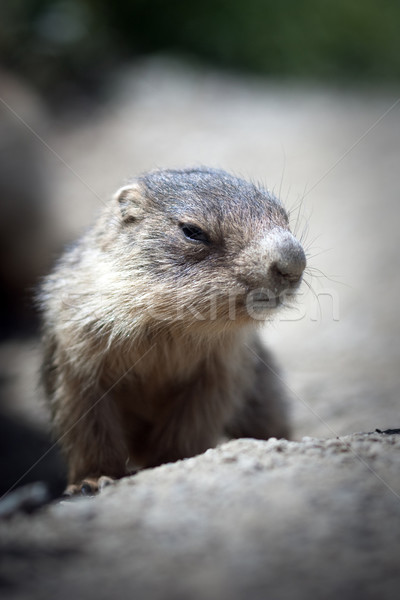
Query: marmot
column 151, row 348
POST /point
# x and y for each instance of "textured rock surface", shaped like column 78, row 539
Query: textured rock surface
column 250, row 519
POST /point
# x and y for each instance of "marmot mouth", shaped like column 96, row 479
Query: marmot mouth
column 264, row 301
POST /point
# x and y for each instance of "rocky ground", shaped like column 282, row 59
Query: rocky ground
column 250, row 519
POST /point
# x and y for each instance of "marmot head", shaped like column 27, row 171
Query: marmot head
column 209, row 246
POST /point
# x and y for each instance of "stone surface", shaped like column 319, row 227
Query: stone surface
column 250, row 519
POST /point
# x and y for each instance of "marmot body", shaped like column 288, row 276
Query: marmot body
column 150, row 323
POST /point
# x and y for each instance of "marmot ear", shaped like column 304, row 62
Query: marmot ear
column 130, row 200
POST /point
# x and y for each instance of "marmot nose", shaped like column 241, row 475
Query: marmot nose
column 291, row 262
column 287, row 258
column 275, row 263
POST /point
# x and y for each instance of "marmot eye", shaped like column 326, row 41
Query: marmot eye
column 192, row 232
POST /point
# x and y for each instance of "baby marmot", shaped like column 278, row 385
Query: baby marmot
column 151, row 349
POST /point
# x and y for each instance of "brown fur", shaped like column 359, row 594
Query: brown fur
column 151, row 350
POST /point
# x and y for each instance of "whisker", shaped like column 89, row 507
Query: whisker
column 310, row 287
column 317, row 273
column 323, row 251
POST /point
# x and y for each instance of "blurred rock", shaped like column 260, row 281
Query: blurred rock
column 27, row 242
column 27, row 455
column 248, row 520
column 27, row 499
column 25, row 227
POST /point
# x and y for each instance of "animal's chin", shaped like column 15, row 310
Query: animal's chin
column 263, row 310
column 267, row 306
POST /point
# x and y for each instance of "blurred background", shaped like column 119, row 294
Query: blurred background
column 302, row 96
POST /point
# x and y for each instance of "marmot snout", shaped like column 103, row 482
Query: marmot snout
column 272, row 266
column 151, row 348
